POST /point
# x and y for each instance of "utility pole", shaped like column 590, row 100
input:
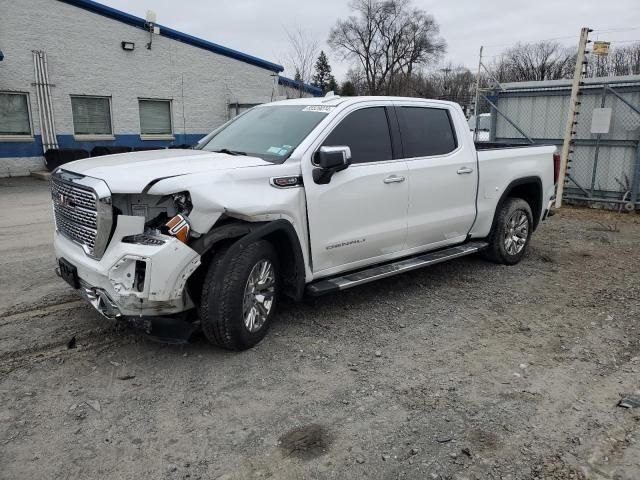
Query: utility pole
column 570, row 129
column 445, row 83
column 475, row 108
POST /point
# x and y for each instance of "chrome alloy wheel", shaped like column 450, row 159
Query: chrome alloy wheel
column 516, row 232
column 258, row 295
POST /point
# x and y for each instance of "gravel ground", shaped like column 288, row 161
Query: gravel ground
column 466, row 370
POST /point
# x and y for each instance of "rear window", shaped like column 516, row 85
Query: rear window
column 427, row 132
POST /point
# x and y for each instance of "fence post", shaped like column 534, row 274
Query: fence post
column 494, row 122
column 594, row 172
column 635, row 181
column 571, row 116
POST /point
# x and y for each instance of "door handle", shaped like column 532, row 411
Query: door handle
column 463, row 170
column 394, row 179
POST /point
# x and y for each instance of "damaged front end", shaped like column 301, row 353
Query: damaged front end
column 164, row 215
column 142, row 274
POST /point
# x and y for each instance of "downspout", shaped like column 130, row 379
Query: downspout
column 45, row 106
column 51, row 116
column 39, row 97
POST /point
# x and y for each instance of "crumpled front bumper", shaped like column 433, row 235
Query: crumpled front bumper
column 131, row 279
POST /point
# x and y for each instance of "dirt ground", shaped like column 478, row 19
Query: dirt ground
column 466, row 370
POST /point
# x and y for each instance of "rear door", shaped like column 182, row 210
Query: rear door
column 360, row 216
column 443, row 175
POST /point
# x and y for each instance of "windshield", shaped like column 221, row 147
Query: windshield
column 270, row 132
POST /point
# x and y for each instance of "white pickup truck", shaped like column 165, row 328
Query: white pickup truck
column 305, row 195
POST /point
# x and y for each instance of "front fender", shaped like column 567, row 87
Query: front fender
column 282, row 236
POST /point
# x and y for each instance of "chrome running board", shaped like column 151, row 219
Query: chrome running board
column 334, row 284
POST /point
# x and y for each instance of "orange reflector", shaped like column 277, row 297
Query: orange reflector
column 179, row 227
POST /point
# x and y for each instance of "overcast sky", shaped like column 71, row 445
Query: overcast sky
column 258, row 27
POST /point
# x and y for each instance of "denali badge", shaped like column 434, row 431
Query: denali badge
column 346, row 244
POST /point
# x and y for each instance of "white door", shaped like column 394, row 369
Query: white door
column 444, row 177
column 361, row 214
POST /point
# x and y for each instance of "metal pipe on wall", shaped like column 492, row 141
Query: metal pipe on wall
column 52, row 121
column 45, row 106
column 47, row 101
column 44, row 127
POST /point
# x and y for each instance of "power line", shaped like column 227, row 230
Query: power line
column 536, row 40
column 611, row 30
column 615, row 42
column 596, row 31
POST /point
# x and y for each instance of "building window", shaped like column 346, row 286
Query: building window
column 155, row 118
column 91, row 116
column 14, row 116
column 236, row 109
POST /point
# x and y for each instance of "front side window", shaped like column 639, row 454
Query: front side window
column 91, row 115
column 155, row 117
column 269, row 132
column 426, row 132
column 366, row 133
column 14, row 114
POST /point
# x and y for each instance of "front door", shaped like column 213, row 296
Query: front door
column 360, row 216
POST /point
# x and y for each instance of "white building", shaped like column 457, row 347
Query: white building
column 78, row 74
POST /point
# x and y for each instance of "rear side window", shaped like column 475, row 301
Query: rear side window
column 426, row 132
column 366, row 132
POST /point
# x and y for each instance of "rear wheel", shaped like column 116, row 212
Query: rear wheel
column 511, row 234
column 239, row 295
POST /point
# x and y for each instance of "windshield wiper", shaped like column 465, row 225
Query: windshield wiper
column 229, row 152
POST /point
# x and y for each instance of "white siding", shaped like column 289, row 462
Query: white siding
column 86, row 58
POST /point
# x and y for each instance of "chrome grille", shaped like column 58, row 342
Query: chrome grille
column 77, row 233
column 81, row 196
column 81, row 214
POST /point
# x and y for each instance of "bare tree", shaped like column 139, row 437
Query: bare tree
column 535, row 61
column 355, row 76
column 620, row 61
column 389, row 40
column 302, row 54
column 453, row 83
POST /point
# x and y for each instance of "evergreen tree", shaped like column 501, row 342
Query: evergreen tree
column 333, row 86
column 297, row 77
column 348, row 89
column 323, row 78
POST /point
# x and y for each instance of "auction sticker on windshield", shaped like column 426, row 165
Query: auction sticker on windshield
column 318, row 108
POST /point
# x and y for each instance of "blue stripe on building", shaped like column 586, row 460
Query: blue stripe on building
column 34, row 148
column 289, row 82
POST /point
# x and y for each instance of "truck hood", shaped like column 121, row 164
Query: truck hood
column 132, row 172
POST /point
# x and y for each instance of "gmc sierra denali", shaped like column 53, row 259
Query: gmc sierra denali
column 293, row 197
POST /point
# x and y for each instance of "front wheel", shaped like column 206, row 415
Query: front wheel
column 239, row 295
column 511, row 233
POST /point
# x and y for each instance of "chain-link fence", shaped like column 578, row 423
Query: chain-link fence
column 604, row 163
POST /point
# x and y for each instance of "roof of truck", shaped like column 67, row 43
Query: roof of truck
column 338, row 100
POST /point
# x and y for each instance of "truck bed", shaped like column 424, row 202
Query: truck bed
column 500, row 146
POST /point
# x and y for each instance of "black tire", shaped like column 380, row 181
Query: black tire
column 497, row 251
column 223, row 291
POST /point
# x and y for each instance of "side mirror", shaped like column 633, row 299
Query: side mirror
column 331, row 158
